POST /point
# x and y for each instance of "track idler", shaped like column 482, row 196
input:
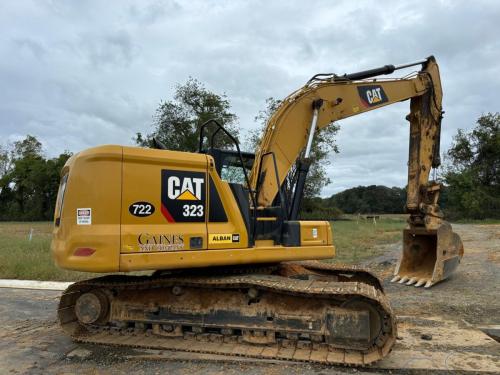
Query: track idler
column 429, row 255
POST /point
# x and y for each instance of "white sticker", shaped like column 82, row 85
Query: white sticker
column 83, row 216
column 315, row 233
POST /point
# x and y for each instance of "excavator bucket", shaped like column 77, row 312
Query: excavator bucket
column 429, row 256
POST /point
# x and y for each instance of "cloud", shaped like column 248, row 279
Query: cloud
column 32, row 46
column 79, row 74
column 114, row 49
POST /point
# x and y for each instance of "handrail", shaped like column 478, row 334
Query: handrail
column 220, row 127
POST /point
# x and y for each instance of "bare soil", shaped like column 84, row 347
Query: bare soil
column 471, row 295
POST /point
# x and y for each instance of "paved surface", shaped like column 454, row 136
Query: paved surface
column 32, row 343
column 34, row 284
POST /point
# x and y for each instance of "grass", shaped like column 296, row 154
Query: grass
column 357, row 240
column 21, row 258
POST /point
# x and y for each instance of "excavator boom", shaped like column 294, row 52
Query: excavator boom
column 288, row 130
column 431, row 250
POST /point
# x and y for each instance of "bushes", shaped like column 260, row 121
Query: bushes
column 315, row 209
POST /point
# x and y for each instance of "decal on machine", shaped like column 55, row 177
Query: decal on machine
column 218, row 238
column 83, row 216
column 372, row 95
column 141, row 209
column 160, row 242
column 183, row 196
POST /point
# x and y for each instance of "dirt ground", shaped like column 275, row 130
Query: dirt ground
column 32, row 343
column 470, row 295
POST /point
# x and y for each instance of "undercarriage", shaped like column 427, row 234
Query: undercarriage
column 302, row 311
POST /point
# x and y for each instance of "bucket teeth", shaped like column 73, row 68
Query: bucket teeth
column 420, row 282
column 413, row 280
column 395, row 278
column 428, row 284
column 404, row 279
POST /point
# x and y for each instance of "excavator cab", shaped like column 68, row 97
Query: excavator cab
column 272, row 223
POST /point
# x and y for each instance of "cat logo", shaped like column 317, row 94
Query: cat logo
column 372, row 95
column 187, row 189
column 183, row 196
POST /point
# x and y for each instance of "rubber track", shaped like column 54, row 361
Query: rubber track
column 223, row 345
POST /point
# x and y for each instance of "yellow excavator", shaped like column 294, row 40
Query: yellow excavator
column 233, row 270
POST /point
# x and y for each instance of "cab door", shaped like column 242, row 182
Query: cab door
column 226, row 224
column 164, row 202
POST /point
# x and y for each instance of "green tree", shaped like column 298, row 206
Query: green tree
column 28, row 187
column 369, row 199
column 177, row 122
column 473, row 171
column 323, row 145
column 4, row 160
column 26, row 148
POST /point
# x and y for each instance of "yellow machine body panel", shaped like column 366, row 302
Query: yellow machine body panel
column 222, row 257
column 150, row 230
column 129, row 209
column 80, row 222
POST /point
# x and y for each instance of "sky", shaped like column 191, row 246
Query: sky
column 77, row 74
